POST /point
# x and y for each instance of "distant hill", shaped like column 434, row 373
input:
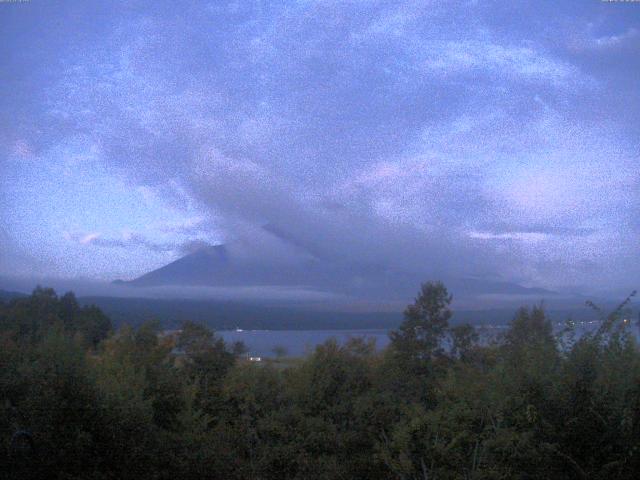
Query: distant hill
column 6, row 295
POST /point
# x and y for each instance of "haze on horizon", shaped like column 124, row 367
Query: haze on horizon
column 491, row 141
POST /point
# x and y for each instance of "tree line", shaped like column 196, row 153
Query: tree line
column 81, row 401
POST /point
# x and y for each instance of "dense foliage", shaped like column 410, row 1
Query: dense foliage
column 78, row 401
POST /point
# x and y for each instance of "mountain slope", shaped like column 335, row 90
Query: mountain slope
column 219, row 267
column 274, row 258
column 207, row 266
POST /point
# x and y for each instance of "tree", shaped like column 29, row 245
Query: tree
column 464, row 339
column 238, row 348
column 530, row 328
column 93, row 325
column 207, row 360
column 418, row 340
column 279, row 351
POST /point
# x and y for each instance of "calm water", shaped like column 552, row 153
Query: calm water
column 297, row 342
column 300, row 342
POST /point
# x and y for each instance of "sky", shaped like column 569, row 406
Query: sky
column 473, row 139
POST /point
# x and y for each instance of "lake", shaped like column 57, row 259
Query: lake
column 297, row 342
column 300, row 342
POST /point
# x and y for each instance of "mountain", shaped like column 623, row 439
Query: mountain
column 275, row 258
column 223, row 266
column 207, row 266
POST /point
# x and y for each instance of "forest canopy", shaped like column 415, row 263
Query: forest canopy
column 79, row 400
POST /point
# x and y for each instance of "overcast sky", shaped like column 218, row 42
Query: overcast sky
column 453, row 139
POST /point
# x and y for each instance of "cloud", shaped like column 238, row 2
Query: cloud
column 520, row 236
column 193, row 246
column 591, row 40
column 414, row 138
column 22, row 149
column 134, row 241
column 184, row 226
column 89, row 238
column 611, row 41
column 504, row 61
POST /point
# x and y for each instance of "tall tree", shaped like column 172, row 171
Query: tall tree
column 419, row 337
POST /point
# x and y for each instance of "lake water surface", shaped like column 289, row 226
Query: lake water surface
column 297, row 343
